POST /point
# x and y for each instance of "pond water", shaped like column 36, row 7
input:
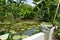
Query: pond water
column 30, row 29
column 26, row 34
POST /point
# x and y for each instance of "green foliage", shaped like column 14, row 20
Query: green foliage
column 26, row 11
column 55, row 23
column 13, row 11
column 57, row 33
column 2, row 1
column 36, row 0
column 47, row 8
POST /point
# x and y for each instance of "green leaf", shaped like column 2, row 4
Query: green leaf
column 36, row 0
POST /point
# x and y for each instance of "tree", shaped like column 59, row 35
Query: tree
column 48, row 8
column 13, row 11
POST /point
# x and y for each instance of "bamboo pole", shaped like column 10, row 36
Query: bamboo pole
column 56, row 11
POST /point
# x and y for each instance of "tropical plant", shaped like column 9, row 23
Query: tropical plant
column 47, row 8
column 57, row 33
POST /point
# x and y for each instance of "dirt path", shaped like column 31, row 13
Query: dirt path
column 47, row 35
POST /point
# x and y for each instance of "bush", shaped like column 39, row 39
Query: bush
column 57, row 33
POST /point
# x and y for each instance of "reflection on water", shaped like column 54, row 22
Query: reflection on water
column 27, row 32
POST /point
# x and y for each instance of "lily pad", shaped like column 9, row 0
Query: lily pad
column 12, row 31
column 16, row 37
column 25, row 36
